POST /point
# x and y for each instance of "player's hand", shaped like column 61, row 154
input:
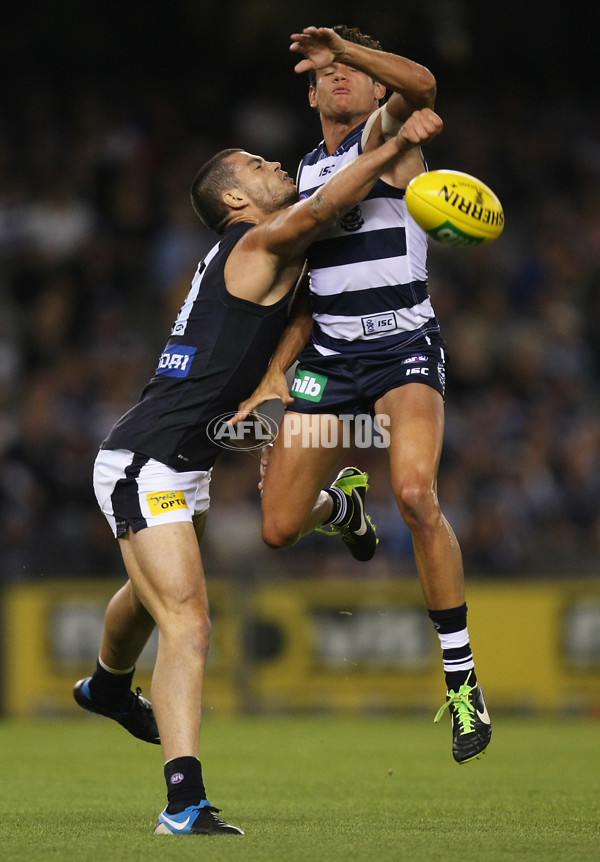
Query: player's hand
column 265, row 457
column 272, row 387
column 420, row 128
column 321, row 47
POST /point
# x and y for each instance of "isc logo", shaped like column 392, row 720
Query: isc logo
column 379, row 323
column 326, row 170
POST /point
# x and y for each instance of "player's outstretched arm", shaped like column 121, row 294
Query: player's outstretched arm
column 413, row 86
column 269, row 254
column 291, row 231
column 273, row 385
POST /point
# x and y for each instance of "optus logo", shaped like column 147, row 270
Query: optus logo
column 253, row 432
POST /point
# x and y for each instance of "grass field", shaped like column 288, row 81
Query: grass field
column 314, row 789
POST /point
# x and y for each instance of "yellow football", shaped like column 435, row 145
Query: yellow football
column 455, row 208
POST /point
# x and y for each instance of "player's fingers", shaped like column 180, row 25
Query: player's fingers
column 303, row 66
column 420, row 128
column 265, row 457
column 277, row 391
column 300, row 37
column 243, row 410
column 301, row 42
column 432, row 121
column 428, row 120
column 409, row 133
column 236, row 417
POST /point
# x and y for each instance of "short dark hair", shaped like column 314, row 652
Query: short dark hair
column 351, row 34
column 215, row 175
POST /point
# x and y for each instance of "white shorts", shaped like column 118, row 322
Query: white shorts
column 136, row 491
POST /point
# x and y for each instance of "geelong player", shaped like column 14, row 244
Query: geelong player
column 152, row 473
column 375, row 344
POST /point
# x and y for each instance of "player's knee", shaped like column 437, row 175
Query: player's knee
column 418, row 504
column 278, row 535
column 198, row 632
column 189, row 625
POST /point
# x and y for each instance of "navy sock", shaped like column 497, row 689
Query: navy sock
column 342, row 508
column 109, row 690
column 184, row 783
column 451, row 626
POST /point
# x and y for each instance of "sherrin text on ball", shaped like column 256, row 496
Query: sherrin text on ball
column 455, row 208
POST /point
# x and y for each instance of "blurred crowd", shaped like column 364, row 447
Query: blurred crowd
column 98, row 244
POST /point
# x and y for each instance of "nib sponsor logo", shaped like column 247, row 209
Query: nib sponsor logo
column 308, row 386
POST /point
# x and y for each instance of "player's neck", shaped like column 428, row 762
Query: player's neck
column 336, row 129
column 244, row 217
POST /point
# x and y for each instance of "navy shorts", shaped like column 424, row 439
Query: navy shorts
column 352, row 383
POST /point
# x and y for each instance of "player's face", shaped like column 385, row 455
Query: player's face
column 341, row 91
column 265, row 183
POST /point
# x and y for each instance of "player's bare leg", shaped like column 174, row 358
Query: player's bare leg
column 416, row 433
column 416, row 430
column 127, row 627
column 293, row 501
column 292, row 508
column 164, row 564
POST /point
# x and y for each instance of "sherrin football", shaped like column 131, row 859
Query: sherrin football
column 455, row 208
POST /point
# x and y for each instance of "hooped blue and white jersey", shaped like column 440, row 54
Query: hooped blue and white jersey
column 368, row 275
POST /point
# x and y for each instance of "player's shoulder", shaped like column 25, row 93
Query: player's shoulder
column 312, row 157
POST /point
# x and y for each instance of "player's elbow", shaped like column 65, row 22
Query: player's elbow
column 428, row 90
column 423, row 89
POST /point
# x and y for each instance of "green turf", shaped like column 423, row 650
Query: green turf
column 313, row 789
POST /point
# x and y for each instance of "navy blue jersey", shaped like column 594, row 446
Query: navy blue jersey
column 219, row 349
